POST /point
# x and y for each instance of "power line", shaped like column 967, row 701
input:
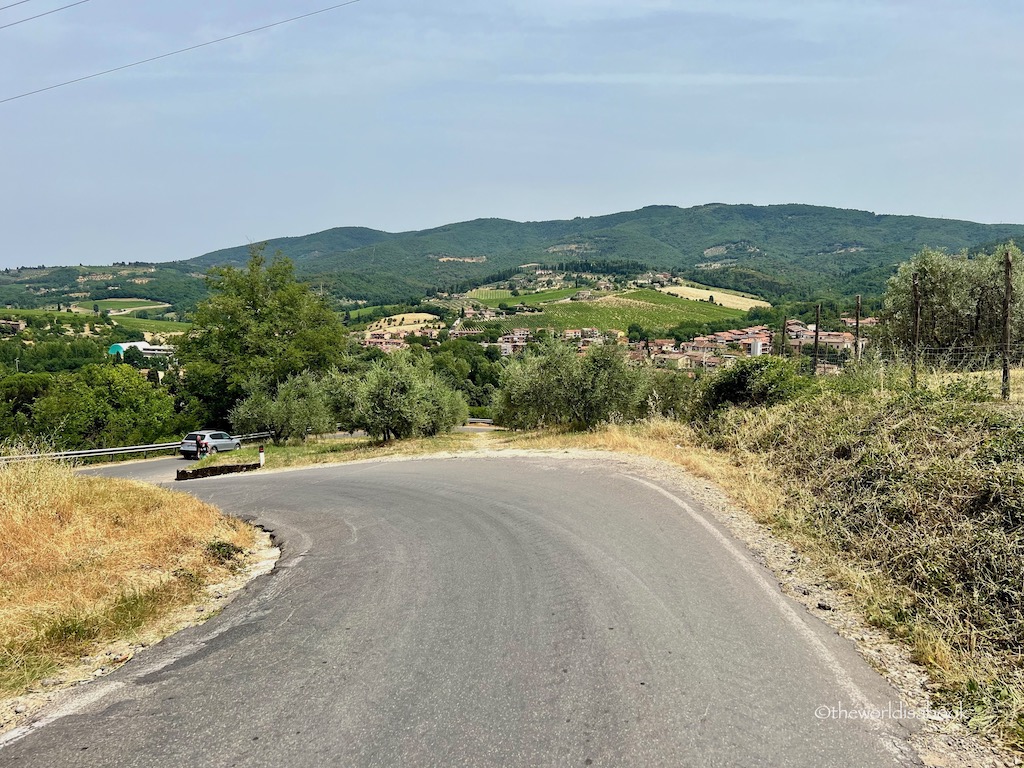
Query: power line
column 40, row 15
column 175, row 53
column 5, row 7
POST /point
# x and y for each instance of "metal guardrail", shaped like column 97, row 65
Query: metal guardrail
column 143, row 449
column 479, row 421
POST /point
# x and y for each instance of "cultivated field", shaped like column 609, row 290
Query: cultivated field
column 410, row 322
column 649, row 309
column 530, row 299
column 115, row 306
column 164, row 327
column 488, row 294
column 725, row 298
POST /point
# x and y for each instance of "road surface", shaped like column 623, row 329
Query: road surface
column 502, row 611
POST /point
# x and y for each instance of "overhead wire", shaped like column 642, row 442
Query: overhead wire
column 20, row 2
column 40, row 15
column 180, row 50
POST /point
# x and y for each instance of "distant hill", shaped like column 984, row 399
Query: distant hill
column 777, row 251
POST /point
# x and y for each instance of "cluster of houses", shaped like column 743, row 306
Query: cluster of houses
column 714, row 350
column 12, row 326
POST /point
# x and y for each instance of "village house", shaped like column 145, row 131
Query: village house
column 673, row 360
column 147, row 349
column 663, row 346
column 865, row 322
column 800, row 335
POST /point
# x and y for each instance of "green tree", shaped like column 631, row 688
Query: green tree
column 401, row 397
column 297, row 409
column 102, row 406
column 557, row 387
column 260, row 322
column 961, row 299
column 133, row 356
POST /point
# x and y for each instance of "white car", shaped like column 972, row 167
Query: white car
column 216, row 441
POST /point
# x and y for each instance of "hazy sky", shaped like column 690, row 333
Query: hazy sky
column 402, row 115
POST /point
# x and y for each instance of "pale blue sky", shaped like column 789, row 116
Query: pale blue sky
column 402, row 115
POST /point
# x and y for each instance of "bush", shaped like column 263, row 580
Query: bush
column 558, row 387
column 399, row 397
column 297, row 409
column 750, row 381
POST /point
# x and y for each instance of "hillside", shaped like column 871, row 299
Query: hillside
column 778, row 251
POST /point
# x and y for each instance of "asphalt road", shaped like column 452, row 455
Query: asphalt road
column 482, row 612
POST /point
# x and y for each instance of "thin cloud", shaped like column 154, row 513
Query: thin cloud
column 681, row 79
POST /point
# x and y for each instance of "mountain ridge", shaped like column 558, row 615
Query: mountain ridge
column 783, row 251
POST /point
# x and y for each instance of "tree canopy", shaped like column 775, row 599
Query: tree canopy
column 259, row 323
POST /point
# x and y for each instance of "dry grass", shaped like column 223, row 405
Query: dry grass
column 85, row 559
column 724, row 298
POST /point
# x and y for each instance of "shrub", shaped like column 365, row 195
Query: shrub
column 751, row 381
column 558, row 387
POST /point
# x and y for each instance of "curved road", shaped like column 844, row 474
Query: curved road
column 482, row 612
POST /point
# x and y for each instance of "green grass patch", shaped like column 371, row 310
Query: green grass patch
column 488, row 294
column 152, row 326
column 648, row 314
column 341, row 448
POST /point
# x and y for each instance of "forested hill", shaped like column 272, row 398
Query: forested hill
column 778, row 251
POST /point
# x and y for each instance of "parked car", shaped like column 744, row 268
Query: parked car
column 217, row 441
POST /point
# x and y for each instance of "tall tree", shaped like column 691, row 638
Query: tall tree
column 259, row 322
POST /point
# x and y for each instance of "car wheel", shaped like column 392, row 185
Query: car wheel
column 213, row 449
column 238, row 446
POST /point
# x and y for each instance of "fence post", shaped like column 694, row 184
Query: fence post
column 817, row 328
column 917, row 331
column 1007, row 299
column 856, row 333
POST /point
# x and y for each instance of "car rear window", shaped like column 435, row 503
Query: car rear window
column 191, row 436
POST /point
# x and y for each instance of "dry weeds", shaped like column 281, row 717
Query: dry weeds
column 84, row 559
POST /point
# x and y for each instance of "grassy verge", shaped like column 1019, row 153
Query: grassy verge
column 85, row 560
column 332, row 450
